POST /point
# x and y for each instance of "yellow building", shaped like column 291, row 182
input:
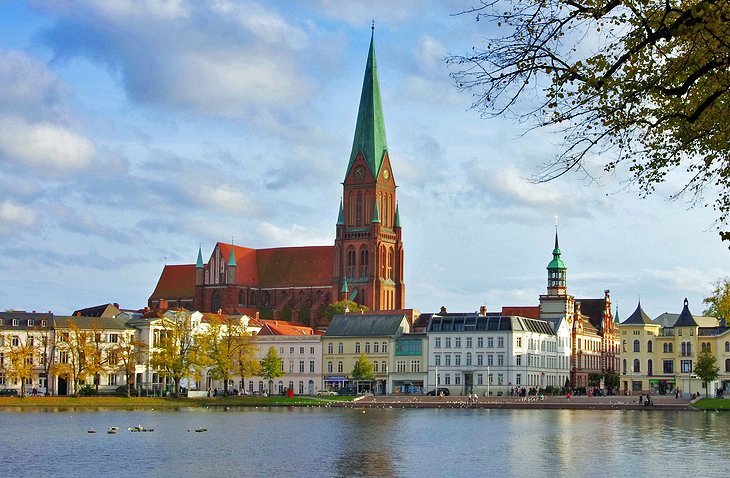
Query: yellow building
column 659, row 359
column 351, row 335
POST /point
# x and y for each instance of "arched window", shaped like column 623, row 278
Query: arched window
column 468, row 358
column 384, row 366
column 637, row 366
column 689, row 348
column 241, row 298
column 649, row 347
column 330, row 348
column 390, row 263
column 301, row 387
column 375, row 366
column 351, row 258
column 727, row 346
column 385, row 347
column 340, row 367
column 624, row 366
column 367, row 347
column 666, row 347
column 215, row 301
column 684, row 348
column 650, row 368
column 340, row 348
column 358, row 209
column 727, row 365
column 671, row 347
column 637, row 346
column 376, row 348
column 329, row 367
column 357, row 347
column 364, row 259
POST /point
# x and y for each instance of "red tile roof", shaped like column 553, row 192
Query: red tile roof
column 278, row 327
column 176, row 281
column 295, row 266
column 531, row 312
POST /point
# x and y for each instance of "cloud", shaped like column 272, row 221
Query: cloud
column 44, row 145
column 15, row 216
column 29, row 88
column 85, row 224
column 295, row 235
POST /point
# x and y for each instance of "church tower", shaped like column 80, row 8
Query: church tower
column 368, row 250
column 557, row 302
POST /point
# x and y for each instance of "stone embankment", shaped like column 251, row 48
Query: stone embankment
column 561, row 402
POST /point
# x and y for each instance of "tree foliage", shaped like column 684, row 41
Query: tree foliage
column 718, row 302
column 363, row 369
column 19, row 355
column 244, row 359
column 127, row 351
column 706, row 368
column 271, row 366
column 644, row 81
column 77, row 354
column 225, row 342
column 340, row 307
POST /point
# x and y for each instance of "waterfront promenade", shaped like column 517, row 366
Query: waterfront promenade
column 615, row 402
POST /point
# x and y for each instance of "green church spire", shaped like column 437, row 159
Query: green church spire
column 370, row 128
column 557, row 262
column 376, row 213
column 199, row 264
column 615, row 317
column 345, row 289
column 232, row 258
column 396, row 220
column 341, row 217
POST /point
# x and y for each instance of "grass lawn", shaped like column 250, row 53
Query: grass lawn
column 712, row 404
column 148, row 402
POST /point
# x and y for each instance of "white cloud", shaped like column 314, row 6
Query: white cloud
column 295, row 235
column 44, row 145
column 28, row 88
column 13, row 216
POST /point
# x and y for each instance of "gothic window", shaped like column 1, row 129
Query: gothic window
column 382, row 262
column 358, row 209
column 727, row 365
column 252, row 298
column 390, row 264
column 727, row 346
column 650, row 368
column 364, row 253
column 624, row 366
column 649, row 347
column 241, row 298
column 351, row 258
column 267, row 298
column 215, row 301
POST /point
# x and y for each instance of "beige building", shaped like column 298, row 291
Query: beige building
column 350, row 335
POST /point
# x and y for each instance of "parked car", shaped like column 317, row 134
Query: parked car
column 439, row 391
column 325, row 393
column 346, row 391
column 8, row 392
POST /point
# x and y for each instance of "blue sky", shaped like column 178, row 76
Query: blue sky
column 131, row 132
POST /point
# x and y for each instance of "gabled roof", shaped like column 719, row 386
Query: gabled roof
column 532, row 312
column 668, row 320
column 295, row 266
column 6, row 319
column 104, row 310
column 593, row 309
column 685, row 317
column 639, row 317
column 375, row 325
column 175, row 281
column 88, row 323
column 279, row 327
column 370, row 127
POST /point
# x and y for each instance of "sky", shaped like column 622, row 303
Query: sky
column 133, row 132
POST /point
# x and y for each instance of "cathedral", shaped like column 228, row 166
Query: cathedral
column 364, row 265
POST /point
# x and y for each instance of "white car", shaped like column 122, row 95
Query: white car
column 325, row 393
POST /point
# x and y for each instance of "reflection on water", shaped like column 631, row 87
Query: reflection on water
column 352, row 442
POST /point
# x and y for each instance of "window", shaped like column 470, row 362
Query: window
column 686, row 366
column 468, row 342
column 367, row 347
column 500, row 379
column 291, row 366
column 447, row 379
column 329, row 367
column 637, row 346
column 668, row 366
column 111, row 380
column 301, row 387
column 437, row 360
column 63, row 356
column 500, row 342
column 468, row 359
column 375, row 366
column 415, row 366
column 30, row 322
column 376, row 348
column 385, row 347
column 340, row 348
column 311, row 366
column 480, row 360
column 113, row 338
column 15, row 341
column 301, row 366
column 649, row 348
column 340, row 367
column 301, row 350
column 15, row 322
column 519, row 344
column 727, row 365
column 457, row 342
column 44, row 323
column 311, row 350
column 480, row 379
column 518, row 379
column 447, row 342
column 727, row 346
column 447, row 359
column 401, row 366
column 437, row 343
column 330, row 348
column 384, row 366
column 490, row 342
column 500, row 359
column 457, row 359
column 281, row 350
column 518, row 360
column 357, row 347
column 480, row 342
column 291, row 350
column 637, row 366
column 457, row 379
column 490, row 360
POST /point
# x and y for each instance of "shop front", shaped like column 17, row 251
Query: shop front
column 662, row 386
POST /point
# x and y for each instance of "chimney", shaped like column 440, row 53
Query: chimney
column 34, row 311
column 257, row 315
column 483, row 310
column 443, row 310
column 163, row 304
column 116, row 304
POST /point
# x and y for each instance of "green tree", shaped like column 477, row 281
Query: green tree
column 222, row 340
column 642, row 83
column 339, row 308
column 272, row 367
column 245, row 359
column 718, row 302
column 706, row 368
column 362, row 371
column 128, row 351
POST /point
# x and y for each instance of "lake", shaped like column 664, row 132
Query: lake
column 303, row 442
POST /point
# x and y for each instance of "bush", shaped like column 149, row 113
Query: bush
column 87, row 391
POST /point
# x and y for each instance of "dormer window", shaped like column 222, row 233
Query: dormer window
column 15, row 322
column 30, row 322
column 44, row 323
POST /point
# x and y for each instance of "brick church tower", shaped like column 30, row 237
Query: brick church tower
column 368, row 261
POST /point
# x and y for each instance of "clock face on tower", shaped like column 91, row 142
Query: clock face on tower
column 359, row 173
column 386, row 173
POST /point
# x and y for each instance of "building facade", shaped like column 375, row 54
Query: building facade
column 294, row 283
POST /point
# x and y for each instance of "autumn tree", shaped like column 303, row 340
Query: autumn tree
column 340, row 307
column 706, row 368
column 176, row 352
column 272, row 367
column 76, row 354
column 718, row 302
column 19, row 356
column 127, row 351
column 244, row 357
column 223, row 338
column 644, row 84
column 362, row 371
